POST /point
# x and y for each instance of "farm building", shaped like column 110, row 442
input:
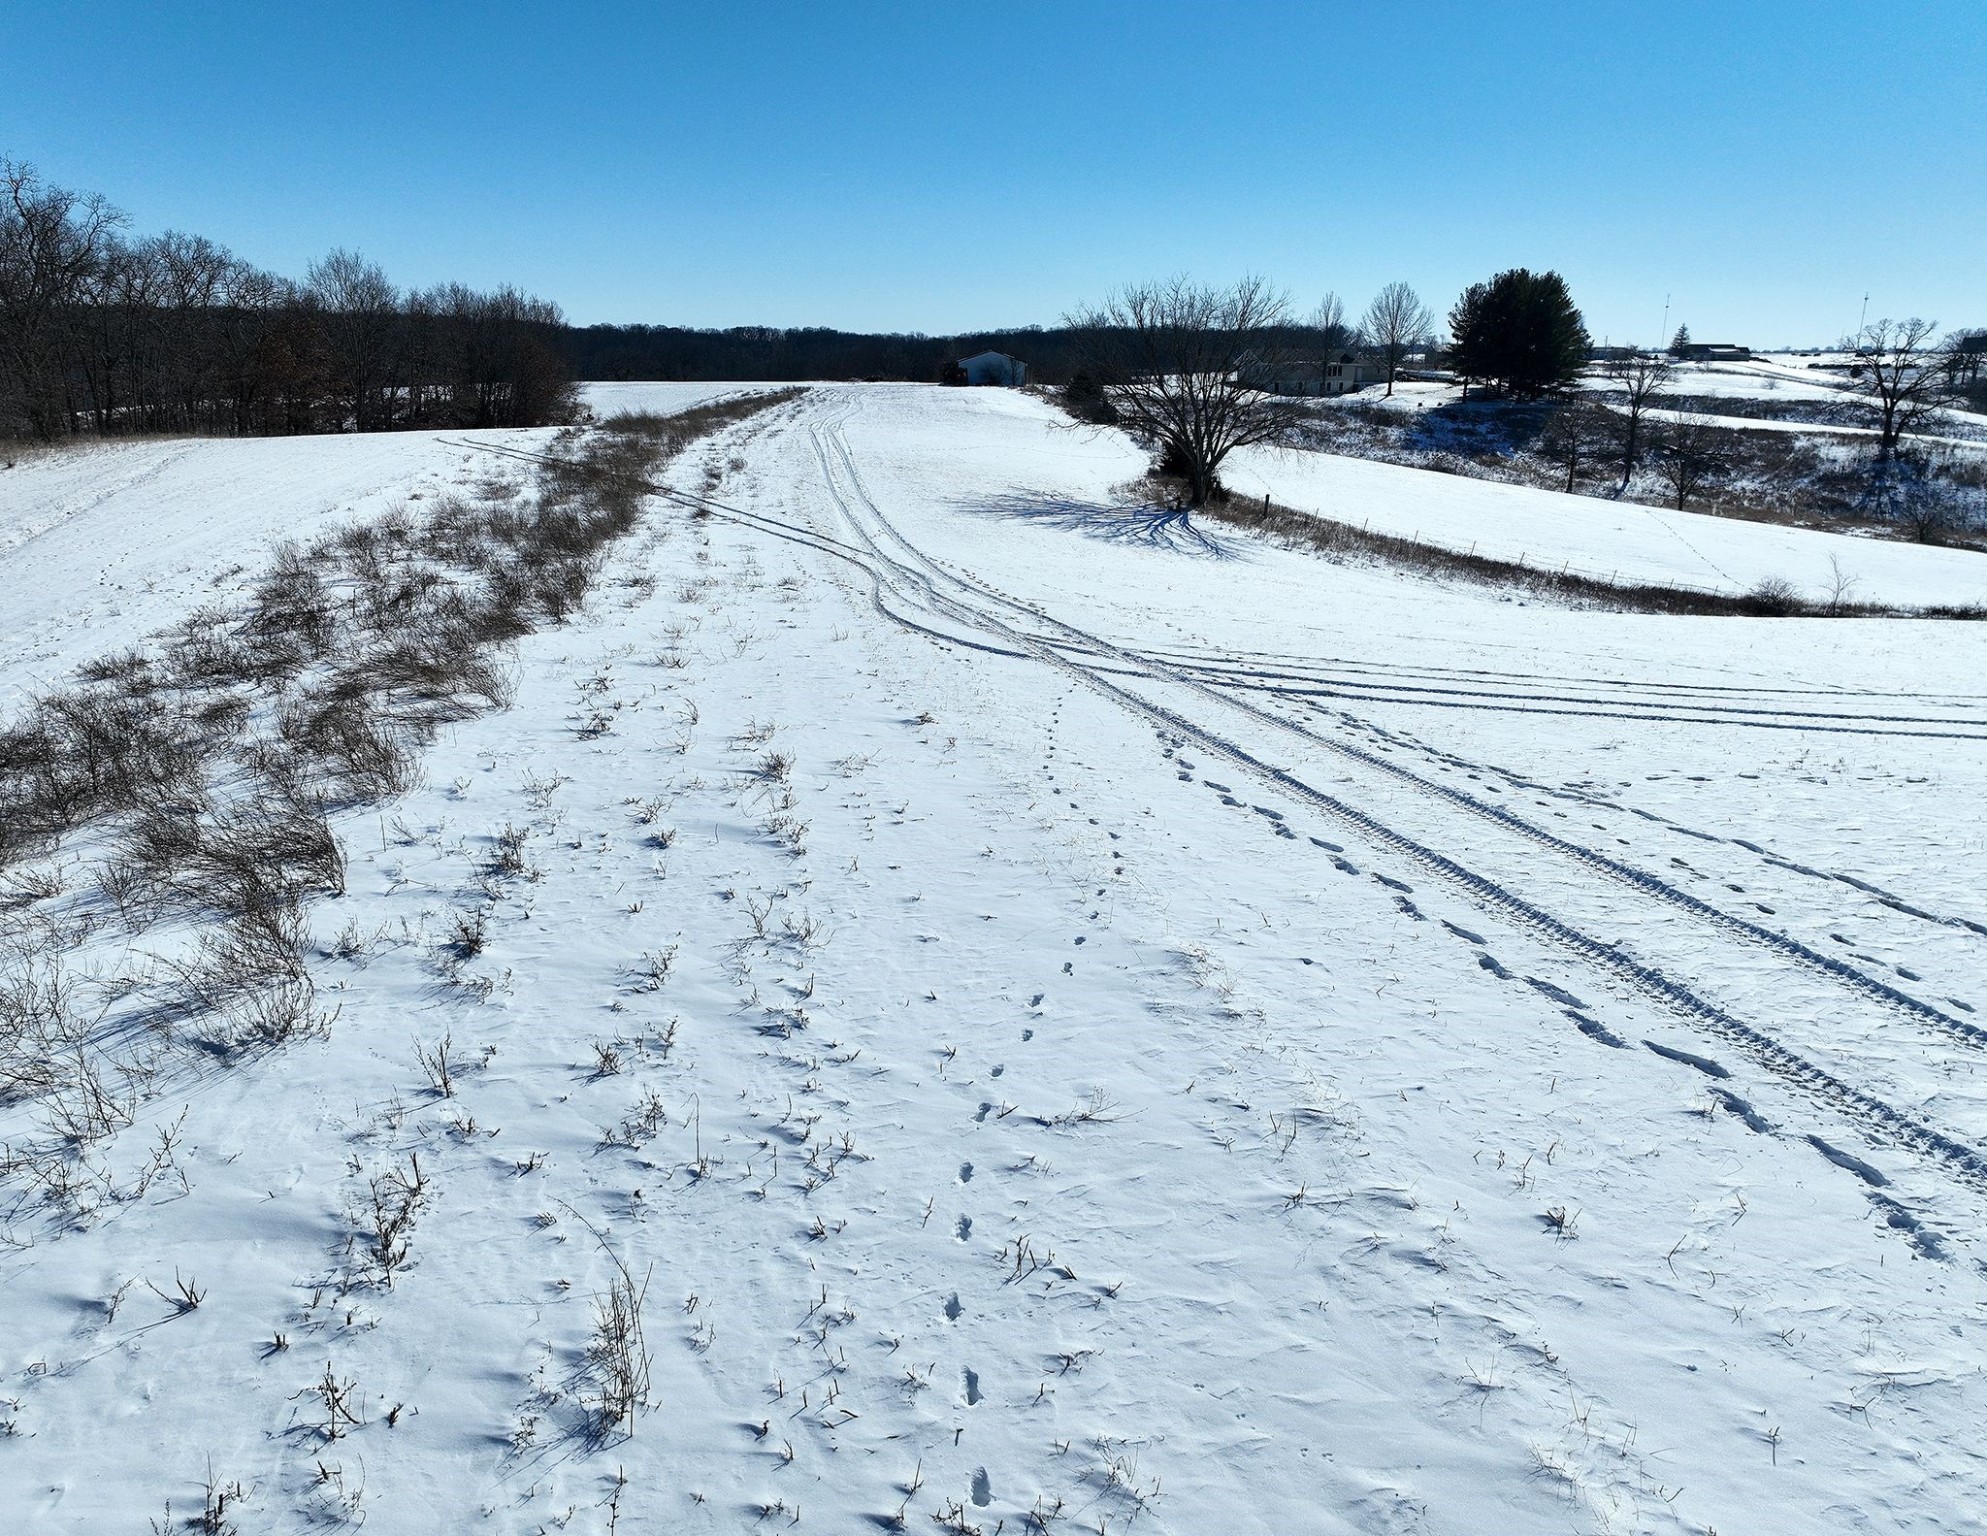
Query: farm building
column 995, row 368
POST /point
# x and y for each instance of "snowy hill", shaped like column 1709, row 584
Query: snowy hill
column 1078, row 1023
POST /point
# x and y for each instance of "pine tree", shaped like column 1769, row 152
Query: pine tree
column 1680, row 342
column 1521, row 332
column 1469, row 341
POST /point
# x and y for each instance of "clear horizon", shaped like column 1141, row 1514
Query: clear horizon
column 1751, row 172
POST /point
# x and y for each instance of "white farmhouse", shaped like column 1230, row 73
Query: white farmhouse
column 1339, row 373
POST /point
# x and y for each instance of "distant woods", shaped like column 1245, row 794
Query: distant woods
column 105, row 333
column 802, row 354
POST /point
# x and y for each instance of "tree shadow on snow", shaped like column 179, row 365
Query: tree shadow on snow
column 1150, row 527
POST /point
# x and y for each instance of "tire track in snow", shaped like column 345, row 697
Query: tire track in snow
column 1627, row 874
column 1875, row 1114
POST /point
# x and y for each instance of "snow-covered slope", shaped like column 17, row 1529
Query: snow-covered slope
column 1084, row 1023
column 1607, row 539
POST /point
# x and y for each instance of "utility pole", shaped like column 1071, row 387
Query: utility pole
column 1663, row 331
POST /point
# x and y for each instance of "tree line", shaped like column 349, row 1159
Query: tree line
column 105, row 333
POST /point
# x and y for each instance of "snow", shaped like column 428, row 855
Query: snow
column 1135, row 1149
column 1609, row 539
column 607, row 399
column 1761, row 379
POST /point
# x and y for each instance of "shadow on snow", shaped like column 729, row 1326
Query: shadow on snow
column 1150, row 527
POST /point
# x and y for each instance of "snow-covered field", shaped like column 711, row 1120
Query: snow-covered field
column 1082, row 1024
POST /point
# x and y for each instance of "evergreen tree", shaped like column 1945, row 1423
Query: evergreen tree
column 1469, row 346
column 1520, row 332
column 1680, row 342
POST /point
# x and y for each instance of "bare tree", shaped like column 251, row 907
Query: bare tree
column 1395, row 323
column 1183, row 366
column 1576, row 437
column 52, row 244
column 1641, row 377
column 360, row 304
column 1334, row 335
column 1898, row 372
column 1690, row 456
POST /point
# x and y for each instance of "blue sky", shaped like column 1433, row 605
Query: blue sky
column 938, row 167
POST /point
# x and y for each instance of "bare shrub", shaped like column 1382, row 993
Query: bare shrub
column 440, row 1063
column 618, row 1352
column 42, row 1024
column 395, row 1200
column 1775, row 596
column 466, row 933
column 338, row 1403
column 338, row 732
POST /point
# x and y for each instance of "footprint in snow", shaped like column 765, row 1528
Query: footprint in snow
column 952, row 1308
column 965, row 1228
column 973, row 1396
column 982, row 1488
column 1029, row 1034
column 1000, row 1068
column 965, row 1173
column 1036, row 1000
column 982, row 1113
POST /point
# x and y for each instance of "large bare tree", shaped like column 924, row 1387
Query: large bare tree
column 1184, row 366
column 53, row 246
column 360, row 307
column 1396, row 322
column 1641, row 377
column 1899, row 374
